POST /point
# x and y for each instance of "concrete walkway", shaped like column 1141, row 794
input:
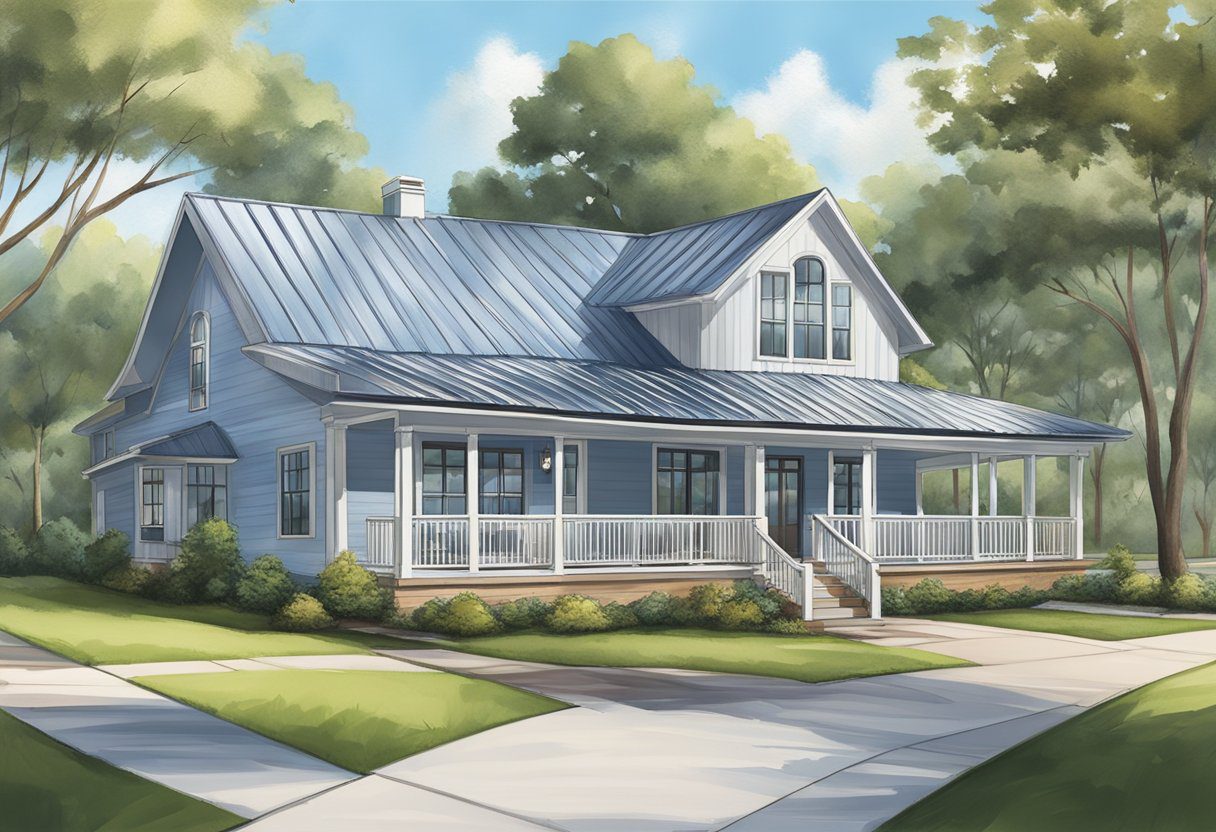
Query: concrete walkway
column 680, row 750
column 104, row 716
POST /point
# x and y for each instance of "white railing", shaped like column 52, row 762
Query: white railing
column 953, row 538
column 1054, row 538
column 515, row 540
column 848, row 562
column 380, row 543
column 441, row 541
column 926, row 540
column 849, row 526
column 639, row 540
column 1001, row 538
column 783, row 573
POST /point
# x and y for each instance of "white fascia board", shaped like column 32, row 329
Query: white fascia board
column 168, row 460
column 295, row 367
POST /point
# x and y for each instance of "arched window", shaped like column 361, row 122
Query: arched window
column 199, row 360
column 809, row 341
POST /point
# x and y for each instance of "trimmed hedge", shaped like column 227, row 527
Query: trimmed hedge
column 265, row 586
column 349, row 591
column 209, row 565
column 301, row 614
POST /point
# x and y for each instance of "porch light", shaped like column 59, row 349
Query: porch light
column 546, row 460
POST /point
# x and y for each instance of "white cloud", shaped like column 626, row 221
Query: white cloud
column 844, row 140
column 473, row 115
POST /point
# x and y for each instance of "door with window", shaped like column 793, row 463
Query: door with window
column 783, row 499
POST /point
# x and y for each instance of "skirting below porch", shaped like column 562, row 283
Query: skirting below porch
column 956, row 576
column 620, row 586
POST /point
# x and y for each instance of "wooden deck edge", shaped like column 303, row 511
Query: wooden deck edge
column 972, row 575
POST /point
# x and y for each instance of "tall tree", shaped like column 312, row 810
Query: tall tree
column 617, row 139
column 101, row 102
column 1070, row 81
column 1203, row 465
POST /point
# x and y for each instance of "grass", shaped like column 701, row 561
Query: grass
column 46, row 785
column 357, row 719
column 1083, row 624
column 98, row 626
column 802, row 658
column 1142, row 761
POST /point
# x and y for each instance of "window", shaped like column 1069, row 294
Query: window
column 198, row 361
column 772, row 314
column 502, row 482
column 570, row 479
column 295, row 491
column 206, row 493
column 107, row 442
column 443, row 473
column 808, row 308
column 846, row 487
column 152, row 504
column 842, row 321
column 687, row 481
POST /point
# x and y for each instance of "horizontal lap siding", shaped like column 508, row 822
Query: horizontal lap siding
column 895, row 481
column 118, row 483
column 619, row 477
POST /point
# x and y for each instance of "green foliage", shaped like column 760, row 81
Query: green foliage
column 302, row 613
column 620, row 616
column 653, row 610
column 58, row 549
column 930, row 597
column 577, row 614
column 740, row 614
column 1190, row 592
column 1140, row 589
column 349, row 591
column 14, row 555
column 209, row 564
column 128, row 578
column 522, row 613
column 707, row 600
column 787, row 627
column 912, row 372
column 467, row 615
column 1119, row 560
column 106, row 554
column 265, row 586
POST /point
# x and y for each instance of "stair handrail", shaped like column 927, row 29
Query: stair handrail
column 849, row 562
column 787, row 574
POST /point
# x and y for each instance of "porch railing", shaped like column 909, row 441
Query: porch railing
column 791, row 577
column 613, row 539
column 441, row 541
column 844, row 559
column 514, row 540
column 954, row 538
column 380, row 543
column 1055, row 538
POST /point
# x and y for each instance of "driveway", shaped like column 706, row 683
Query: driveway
column 679, row 750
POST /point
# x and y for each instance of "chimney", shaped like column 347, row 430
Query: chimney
column 404, row 196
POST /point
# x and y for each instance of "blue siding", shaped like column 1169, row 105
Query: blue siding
column 618, row 477
column 735, row 484
column 370, row 450
column 257, row 410
column 895, row 481
column 118, row 483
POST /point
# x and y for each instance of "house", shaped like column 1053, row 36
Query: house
column 533, row 409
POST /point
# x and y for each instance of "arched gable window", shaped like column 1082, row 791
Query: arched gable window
column 200, row 370
column 809, row 340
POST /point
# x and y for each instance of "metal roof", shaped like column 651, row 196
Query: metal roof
column 440, row 285
column 205, row 441
column 670, row 394
column 694, row 259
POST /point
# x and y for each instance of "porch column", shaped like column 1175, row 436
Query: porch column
column 559, row 528
column 975, row 506
column 472, row 499
column 868, row 499
column 992, row 487
column 1029, row 499
column 831, row 483
column 1076, row 465
column 404, row 507
column 920, row 492
column 335, row 481
column 758, row 496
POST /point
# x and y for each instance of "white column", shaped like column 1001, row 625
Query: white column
column 920, row 492
column 472, row 490
column 831, row 484
column 1076, row 467
column 759, row 493
column 749, row 481
column 404, row 500
column 559, row 530
column 992, row 487
column 868, row 499
column 975, row 506
column 1029, row 499
column 335, row 490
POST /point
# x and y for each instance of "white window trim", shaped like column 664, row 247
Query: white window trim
column 580, row 501
column 311, row 447
column 99, row 510
column 828, row 282
column 723, row 509
column 206, row 345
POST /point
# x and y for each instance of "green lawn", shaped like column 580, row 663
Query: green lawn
column 1083, row 624
column 99, row 626
column 46, row 785
column 802, row 658
column 357, row 719
column 1142, row 761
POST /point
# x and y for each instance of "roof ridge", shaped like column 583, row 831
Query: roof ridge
column 808, row 196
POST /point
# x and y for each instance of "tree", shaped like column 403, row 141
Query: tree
column 58, row 356
column 1073, row 84
column 1203, row 465
column 163, row 92
column 616, row 139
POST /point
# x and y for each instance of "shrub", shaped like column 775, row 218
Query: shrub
column 128, row 578
column 895, row 601
column 300, row 614
column 265, row 585
column 467, row 615
column 740, row 614
column 106, row 554
column 707, row 601
column 1120, row 561
column 209, row 564
column 930, row 596
column 788, row 627
column 522, row 613
column 1099, row 587
column 156, row 584
column 770, row 602
column 1139, row 588
column 14, row 555
column 347, row 590
column 429, row 617
column 1189, row 592
column 620, row 617
column 576, row 614
column 653, row 610
column 58, row 549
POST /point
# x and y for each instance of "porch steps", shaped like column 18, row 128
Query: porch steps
column 832, row 599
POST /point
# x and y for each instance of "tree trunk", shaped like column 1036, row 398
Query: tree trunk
column 1095, row 474
column 39, row 434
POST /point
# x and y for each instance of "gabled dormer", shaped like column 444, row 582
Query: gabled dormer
column 785, row 287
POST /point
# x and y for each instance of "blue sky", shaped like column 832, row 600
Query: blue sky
column 430, row 82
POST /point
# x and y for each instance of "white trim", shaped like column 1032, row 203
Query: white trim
column 311, row 447
column 403, row 493
column 829, row 282
column 580, row 474
column 129, row 456
column 99, row 510
column 831, row 508
column 472, row 499
column 205, row 317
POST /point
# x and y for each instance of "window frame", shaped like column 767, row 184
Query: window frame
column 852, row 463
column 144, row 504
column 444, row 495
column 580, row 476
column 279, row 453
column 500, row 494
column 829, row 284
column 205, row 346
column 782, row 278
column 831, row 327
column 190, row 489
column 720, row 498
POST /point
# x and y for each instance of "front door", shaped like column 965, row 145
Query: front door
column 783, row 498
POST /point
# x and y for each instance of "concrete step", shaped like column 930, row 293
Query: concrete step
column 845, row 623
column 830, row 602
column 831, row 613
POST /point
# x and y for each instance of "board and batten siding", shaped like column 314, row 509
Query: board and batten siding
column 722, row 334
column 259, row 412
